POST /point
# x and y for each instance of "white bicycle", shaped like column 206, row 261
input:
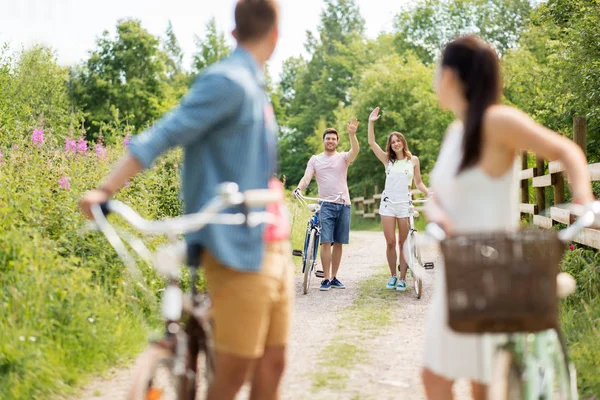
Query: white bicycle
column 168, row 369
column 509, row 283
column 410, row 250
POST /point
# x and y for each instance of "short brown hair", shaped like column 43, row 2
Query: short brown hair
column 331, row 131
column 255, row 18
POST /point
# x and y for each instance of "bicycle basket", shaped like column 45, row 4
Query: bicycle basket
column 502, row 282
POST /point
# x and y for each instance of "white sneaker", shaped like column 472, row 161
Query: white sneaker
column 401, row 285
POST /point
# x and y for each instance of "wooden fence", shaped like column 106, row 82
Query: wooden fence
column 541, row 176
column 369, row 207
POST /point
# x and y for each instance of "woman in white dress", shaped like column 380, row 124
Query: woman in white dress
column 401, row 167
column 475, row 187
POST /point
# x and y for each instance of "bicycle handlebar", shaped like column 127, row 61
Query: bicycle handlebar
column 228, row 196
column 302, row 197
column 416, row 201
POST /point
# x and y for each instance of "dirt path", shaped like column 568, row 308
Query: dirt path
column 388, row 367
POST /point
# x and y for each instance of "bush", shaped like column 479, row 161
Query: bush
column 68, row 309
column 580, row 317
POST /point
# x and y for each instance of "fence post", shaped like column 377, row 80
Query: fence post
column 579, row 132
column 540, row 198
column 524, row 182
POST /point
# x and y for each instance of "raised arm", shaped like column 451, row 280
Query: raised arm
column 517, row 131
column 380, row 154
column 354, row 146
column 418, row 179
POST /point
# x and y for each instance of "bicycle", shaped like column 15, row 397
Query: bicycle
column 410, row 250
column 534, row 362
column 168, row 368
column 311, row 239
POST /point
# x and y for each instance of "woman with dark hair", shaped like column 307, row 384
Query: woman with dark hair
column 401, row 167
column 475, row 184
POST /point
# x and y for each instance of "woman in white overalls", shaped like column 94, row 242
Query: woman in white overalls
column 401, row 167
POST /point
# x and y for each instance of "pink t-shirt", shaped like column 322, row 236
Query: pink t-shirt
column 331, row 173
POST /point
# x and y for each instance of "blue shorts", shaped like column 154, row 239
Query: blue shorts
column 335, row 223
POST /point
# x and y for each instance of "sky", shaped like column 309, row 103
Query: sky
column 72, row 26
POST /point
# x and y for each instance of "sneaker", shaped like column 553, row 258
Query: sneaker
column 336, row 284
column 325, row 285
column 401, row 285
column 392, row 283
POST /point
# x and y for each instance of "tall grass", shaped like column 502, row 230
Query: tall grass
column 67, row 307
column 580, row 318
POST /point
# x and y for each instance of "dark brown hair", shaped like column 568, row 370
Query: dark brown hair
column 330, row 131
column 255, row 18
column 477, row 66
column 391, row 154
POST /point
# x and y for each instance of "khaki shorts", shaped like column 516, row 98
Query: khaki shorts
column 252, row 310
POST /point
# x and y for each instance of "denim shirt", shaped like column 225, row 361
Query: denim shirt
column 227, row 129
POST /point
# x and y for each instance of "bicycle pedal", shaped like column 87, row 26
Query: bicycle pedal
column 297, row 253
column 428, row 265
column 320, row 274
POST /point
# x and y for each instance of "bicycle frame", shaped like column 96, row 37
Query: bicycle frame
column 312, row 224
column 537, row 354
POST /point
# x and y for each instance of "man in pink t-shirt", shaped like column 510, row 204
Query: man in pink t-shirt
column 331, row 170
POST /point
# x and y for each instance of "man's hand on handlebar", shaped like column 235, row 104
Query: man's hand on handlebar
column 91, row 198
column 296, row 193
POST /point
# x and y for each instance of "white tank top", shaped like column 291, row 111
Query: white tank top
column 399, row 176
column 474, row 201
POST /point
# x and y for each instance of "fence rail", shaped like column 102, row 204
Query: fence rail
column 540, row 177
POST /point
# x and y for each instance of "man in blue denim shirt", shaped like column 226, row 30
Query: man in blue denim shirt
column 227, row 129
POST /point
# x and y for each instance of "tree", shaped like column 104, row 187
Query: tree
column 34, row 93
column 432, row 23
column 210, row 49
column 126, row 71
column 174, row 53
column 402, row 87
column 312, row 90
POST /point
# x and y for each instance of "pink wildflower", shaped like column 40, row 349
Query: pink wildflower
column 100, row 151
column 572, row 247
column 15, row 147
column 175, row 166
column 1, row 157
column 126, row 141
column 127, row 184
column 82, row 145
column 64, row 183
column 37, row 137
column 70, row 145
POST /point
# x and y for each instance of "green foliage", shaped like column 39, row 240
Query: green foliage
column 68, row 307
column 426, row 27
column 127, row 72
column 580, row 318
column 402, row 87
column 210, row 49
column 34, row 93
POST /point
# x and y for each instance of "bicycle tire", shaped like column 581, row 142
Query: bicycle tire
column 418, row 282
column 506, row 383
column 309, row 261
column 150, row 384
column 414, row 257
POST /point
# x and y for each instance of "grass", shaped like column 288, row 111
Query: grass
column 369, row 313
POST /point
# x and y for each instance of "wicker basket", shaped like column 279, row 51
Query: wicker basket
column 502, row 282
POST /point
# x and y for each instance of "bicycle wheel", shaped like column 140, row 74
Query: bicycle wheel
column 414, row 256
column 309, row 261
column 506, row 379
column 153, row 378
